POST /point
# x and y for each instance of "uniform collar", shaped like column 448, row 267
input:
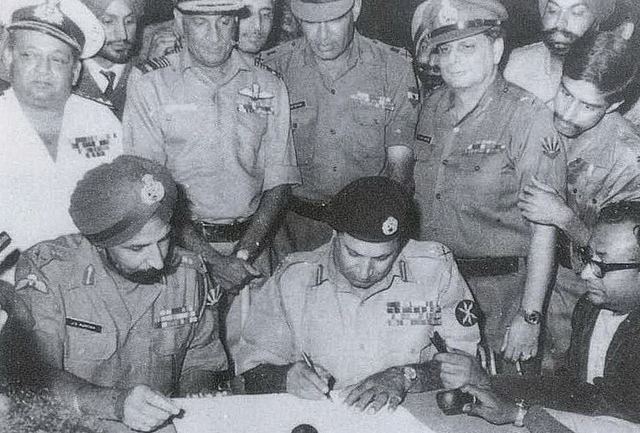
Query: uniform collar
column 494, row 90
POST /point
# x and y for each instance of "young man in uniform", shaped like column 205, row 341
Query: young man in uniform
column 104, row 76
column 603, row 154
column 50, row 137
column 119, row 312
column 353, row 110
column 479, row 141
column 363, row 307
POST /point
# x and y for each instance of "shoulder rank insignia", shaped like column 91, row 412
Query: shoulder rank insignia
column 153, row 64
column 551, row 147
column 259, row 64
column 32, row 281
column 89, row 277
column 467, row 313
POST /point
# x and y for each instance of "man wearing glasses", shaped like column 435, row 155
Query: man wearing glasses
column 603, row 151
column 600, row 374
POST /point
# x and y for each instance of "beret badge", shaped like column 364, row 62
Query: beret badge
column 152, row 190
column 390, row 226
column 48, row 12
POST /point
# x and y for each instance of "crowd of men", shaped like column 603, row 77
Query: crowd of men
column 189, row 208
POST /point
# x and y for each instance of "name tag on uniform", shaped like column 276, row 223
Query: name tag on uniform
column 424, row 138
column 297, row 105
column 93, row 146
column 485, row 147
column 412, row 313
column 75, row 323
column 176, row 317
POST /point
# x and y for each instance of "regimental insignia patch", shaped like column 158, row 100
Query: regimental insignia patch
column 412, row 313
column 32, row 281
column 176, row 317
column 551, row 147
column 467, row 313
column 93, row 146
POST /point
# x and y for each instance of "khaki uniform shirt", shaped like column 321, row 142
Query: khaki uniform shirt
column 468, row 174
column 224, row 142
column 86, row 323
column 309, row 306
column 341, row 128
column 533, row 68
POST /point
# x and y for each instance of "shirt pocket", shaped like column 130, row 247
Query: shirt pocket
column 303, row 126
column 368, row 116
column 171, row 340
column 87, row 346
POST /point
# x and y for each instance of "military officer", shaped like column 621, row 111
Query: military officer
column 353, row 109
column 104, row 76
column 603, row 154
column 119, row 311
column 50, row 137
column 221, row 125
column 480, row 141
column 362, row 307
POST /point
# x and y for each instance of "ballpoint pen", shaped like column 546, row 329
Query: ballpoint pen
column 309, row 362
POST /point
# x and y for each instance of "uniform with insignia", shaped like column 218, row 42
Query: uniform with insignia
column 89, row 88
column 225, row 144
column 309, row 306
column 34, row 188
column 91, row 322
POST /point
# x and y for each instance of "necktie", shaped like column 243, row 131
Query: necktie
column 111, row 78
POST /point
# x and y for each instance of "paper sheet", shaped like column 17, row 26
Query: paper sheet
column 280, row 413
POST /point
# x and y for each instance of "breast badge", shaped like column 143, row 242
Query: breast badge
column 255, row 101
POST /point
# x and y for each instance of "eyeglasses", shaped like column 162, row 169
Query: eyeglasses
column 599, row 268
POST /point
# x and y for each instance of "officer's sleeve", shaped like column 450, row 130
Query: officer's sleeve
column 403, row 91
column 39, row 312
column 141, row 122
column 460, row 313
column 539, row 150
column 281, row 167
column 267, row 337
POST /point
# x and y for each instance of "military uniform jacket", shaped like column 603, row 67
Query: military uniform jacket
column 533, row 68
column 83, row 323
column 614, row 394
column 469, row 173
column 35, row 189
column 603, row 167
column 341, row 128
column 88, row 88
column 309, row 306
column 224, row 142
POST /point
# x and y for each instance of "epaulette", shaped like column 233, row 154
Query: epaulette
column 397, row 51
column 258, row 64
column 46, row 252
column 296, row 262
column 153, row 64
column 427, row 249
column 189, row 259
column 282, row 49
column 93, row 98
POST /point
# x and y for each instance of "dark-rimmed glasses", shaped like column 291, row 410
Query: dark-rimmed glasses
column 599, row 268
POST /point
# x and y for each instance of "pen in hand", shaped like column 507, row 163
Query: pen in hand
column 309, row 362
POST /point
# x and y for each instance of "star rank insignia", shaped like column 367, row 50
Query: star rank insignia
column 467, row 313
column 551, row 147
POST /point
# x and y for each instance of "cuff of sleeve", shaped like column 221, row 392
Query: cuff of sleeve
column 266, row 378
column 281, row 175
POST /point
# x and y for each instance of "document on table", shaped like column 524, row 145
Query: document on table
column 281, row 413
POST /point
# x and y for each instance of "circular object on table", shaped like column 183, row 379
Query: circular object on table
column 304, row 428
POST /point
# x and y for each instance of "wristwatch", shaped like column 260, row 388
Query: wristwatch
column 532, row 317
column 410, row 377
column 522, row 412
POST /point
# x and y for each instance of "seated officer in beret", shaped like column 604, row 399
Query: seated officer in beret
column 119, row 311
column 50, row 137
column 362, row 308
column 600, row 376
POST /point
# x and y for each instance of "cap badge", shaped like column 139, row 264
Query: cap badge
column 448, row 14
column 49, row 12
column 390, row 226
column 152, row 191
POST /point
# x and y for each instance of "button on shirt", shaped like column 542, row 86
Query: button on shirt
column 224, row 142
column 92, row 323
column 469, row 173
column 36, row 190
column 309, row 306
column 603, row 167
column 342, row 127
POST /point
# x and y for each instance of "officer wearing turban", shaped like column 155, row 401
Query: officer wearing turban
column 118, row 311
column 104, row 77
column 363, row 307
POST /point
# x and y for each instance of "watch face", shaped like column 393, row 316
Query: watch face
column 533, row 317
column 410, row 373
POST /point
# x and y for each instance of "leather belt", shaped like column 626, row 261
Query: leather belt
column 308, row 209
column 216, row 233
column 489, row 266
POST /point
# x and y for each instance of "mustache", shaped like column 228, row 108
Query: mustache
column 568, row 122
column 571, row 37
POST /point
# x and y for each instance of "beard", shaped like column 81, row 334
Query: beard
column 147, row 276
column 117, row 52
column 559, row 42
